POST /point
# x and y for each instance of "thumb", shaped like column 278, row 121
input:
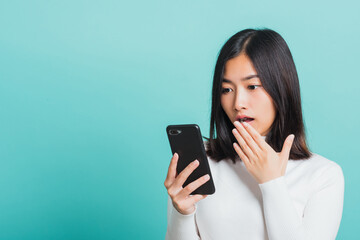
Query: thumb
column 285, row 151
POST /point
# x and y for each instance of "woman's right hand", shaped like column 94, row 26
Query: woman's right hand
column 181, row 199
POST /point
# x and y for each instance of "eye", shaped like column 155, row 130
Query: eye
column 253, row 87
column 225, row 90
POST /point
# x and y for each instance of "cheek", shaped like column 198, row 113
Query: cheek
column 270, row 112
column 266, row 107
column 227, row 106
column 224, row 103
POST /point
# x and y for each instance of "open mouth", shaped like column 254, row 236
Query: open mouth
column 245, row 120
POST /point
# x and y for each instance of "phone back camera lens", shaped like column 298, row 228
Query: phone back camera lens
column 174, row 132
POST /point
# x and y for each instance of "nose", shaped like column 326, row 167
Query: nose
column 241, row 100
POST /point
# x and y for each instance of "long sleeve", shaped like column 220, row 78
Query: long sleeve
column 322, row 213
column 180, row 227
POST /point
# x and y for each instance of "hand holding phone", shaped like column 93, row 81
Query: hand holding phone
column 181, row 199
column 189, row 177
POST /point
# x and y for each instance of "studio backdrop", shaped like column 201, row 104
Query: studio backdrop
column 87, row 89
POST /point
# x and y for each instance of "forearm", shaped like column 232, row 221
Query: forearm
column 180, row 227
column 282, row 220
column 320, row 219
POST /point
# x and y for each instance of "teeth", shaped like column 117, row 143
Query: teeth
column 243, row 119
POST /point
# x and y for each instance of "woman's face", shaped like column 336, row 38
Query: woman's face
column 243, row 95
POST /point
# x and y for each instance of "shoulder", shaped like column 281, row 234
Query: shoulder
column 320, row 168
column 316, row 161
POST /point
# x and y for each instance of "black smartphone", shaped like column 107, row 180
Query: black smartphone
column 186, row 141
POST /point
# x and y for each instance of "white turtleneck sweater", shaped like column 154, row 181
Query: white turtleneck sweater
column 304, row 204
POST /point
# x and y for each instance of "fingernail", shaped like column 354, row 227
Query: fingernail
column 292, row 136
column 195, row 162
column 206, row 177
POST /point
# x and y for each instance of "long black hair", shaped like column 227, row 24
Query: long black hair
column 273, row 62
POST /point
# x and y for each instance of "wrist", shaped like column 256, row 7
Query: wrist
column 268, row 179
column 185, row 212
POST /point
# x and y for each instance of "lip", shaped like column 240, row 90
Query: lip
column 242, row 116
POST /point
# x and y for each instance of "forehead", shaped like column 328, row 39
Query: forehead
column 239, row 67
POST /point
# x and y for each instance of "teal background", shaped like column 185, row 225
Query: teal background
column 87, row 89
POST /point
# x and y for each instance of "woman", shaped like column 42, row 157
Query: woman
column 268, row 184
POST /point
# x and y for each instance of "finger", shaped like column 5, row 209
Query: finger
column 195, row 198
column 285, row 151
column 262, row 144
column 194, row 185
column 241, row 154
column 181, row 178
column 248, row 138
column 245, row 148
column 191, row 200
column 171, row 174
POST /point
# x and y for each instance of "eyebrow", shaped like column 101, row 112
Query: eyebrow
column 243, row 79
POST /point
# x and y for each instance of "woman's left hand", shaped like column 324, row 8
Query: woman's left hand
column 260, row 159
